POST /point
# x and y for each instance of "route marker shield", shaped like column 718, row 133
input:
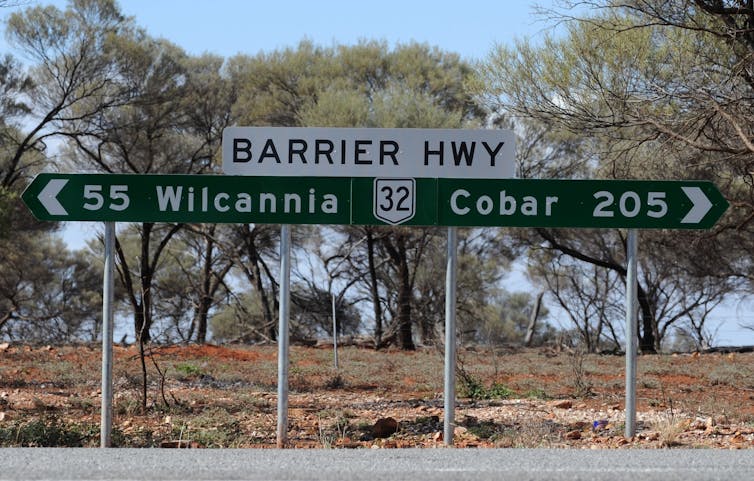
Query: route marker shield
column 394, row 200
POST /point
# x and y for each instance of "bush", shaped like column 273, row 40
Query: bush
column 48, row 432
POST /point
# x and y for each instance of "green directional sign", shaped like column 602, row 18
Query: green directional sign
column 375, row 200
column 189, row 198
column 579, row 203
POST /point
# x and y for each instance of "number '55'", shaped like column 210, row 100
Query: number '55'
column 95, row 200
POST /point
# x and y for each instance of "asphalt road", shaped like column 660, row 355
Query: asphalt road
column 374, row 465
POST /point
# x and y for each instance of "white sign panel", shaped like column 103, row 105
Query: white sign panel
column 354, row 152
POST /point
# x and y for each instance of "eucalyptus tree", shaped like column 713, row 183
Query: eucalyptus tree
column 68, row 79
column 47, row 293
column 170, row 122
column 366, row 85
column 645, row 89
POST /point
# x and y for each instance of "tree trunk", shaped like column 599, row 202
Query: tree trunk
column 374, row 291
column 404, row 302
column 647, row 337
column 256, row 271
column 143, row 315
column 533, row 320
column 266, row 309
column 201, row 313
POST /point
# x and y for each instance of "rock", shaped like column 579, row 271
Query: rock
column 565, row 404
column 384, row 428
column 4, row 346
column 573, row 435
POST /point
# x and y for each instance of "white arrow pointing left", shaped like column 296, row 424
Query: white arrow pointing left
column 49, row 197
column 701, row 205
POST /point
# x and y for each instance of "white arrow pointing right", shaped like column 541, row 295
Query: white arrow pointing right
column 49, row 197
column 701, row 206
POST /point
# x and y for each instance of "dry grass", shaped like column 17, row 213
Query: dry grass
column 226, row 397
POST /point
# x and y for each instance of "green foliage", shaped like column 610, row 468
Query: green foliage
column 48, row 432
column 365, row 85
column 652, row 91
column 241, row 320
column 213, row 428
column 474, row 388
column 188, row 370
column 49, row 293
column 7, row 200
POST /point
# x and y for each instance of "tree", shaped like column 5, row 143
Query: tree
column 172, row 123
column 590, row 296
column 632, row 94
column 71, row 80
column 366, row 85
column 68, row 73
column 47, row 293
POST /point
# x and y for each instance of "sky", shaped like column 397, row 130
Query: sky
column 470, row 28
column 228, row 27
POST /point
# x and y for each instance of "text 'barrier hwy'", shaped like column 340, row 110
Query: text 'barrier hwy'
column 369, row 152
column 373, row 201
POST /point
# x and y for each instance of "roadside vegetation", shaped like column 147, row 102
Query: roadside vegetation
column 644, row 90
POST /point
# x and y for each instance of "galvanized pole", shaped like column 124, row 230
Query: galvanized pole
column 284, row 312
column 632, row 305
column 450, row 337
column 106, row 417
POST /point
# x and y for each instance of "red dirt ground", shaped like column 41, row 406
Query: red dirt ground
column 218, row 396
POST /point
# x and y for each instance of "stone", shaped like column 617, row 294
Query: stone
column 565, row 404
column 384, row 428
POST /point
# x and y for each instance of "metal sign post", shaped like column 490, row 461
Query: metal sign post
column 450, row 337
column 631, row 331
column 283, row 346
column 106, row 418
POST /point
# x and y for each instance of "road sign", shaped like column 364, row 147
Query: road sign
column 641, row 204
column 372, row 201
column 189, row 198
column 393, row 201
column 357, row 152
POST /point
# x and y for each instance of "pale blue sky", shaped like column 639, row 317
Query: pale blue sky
column 228, row 27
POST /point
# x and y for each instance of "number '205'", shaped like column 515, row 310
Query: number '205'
column 630, row 204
